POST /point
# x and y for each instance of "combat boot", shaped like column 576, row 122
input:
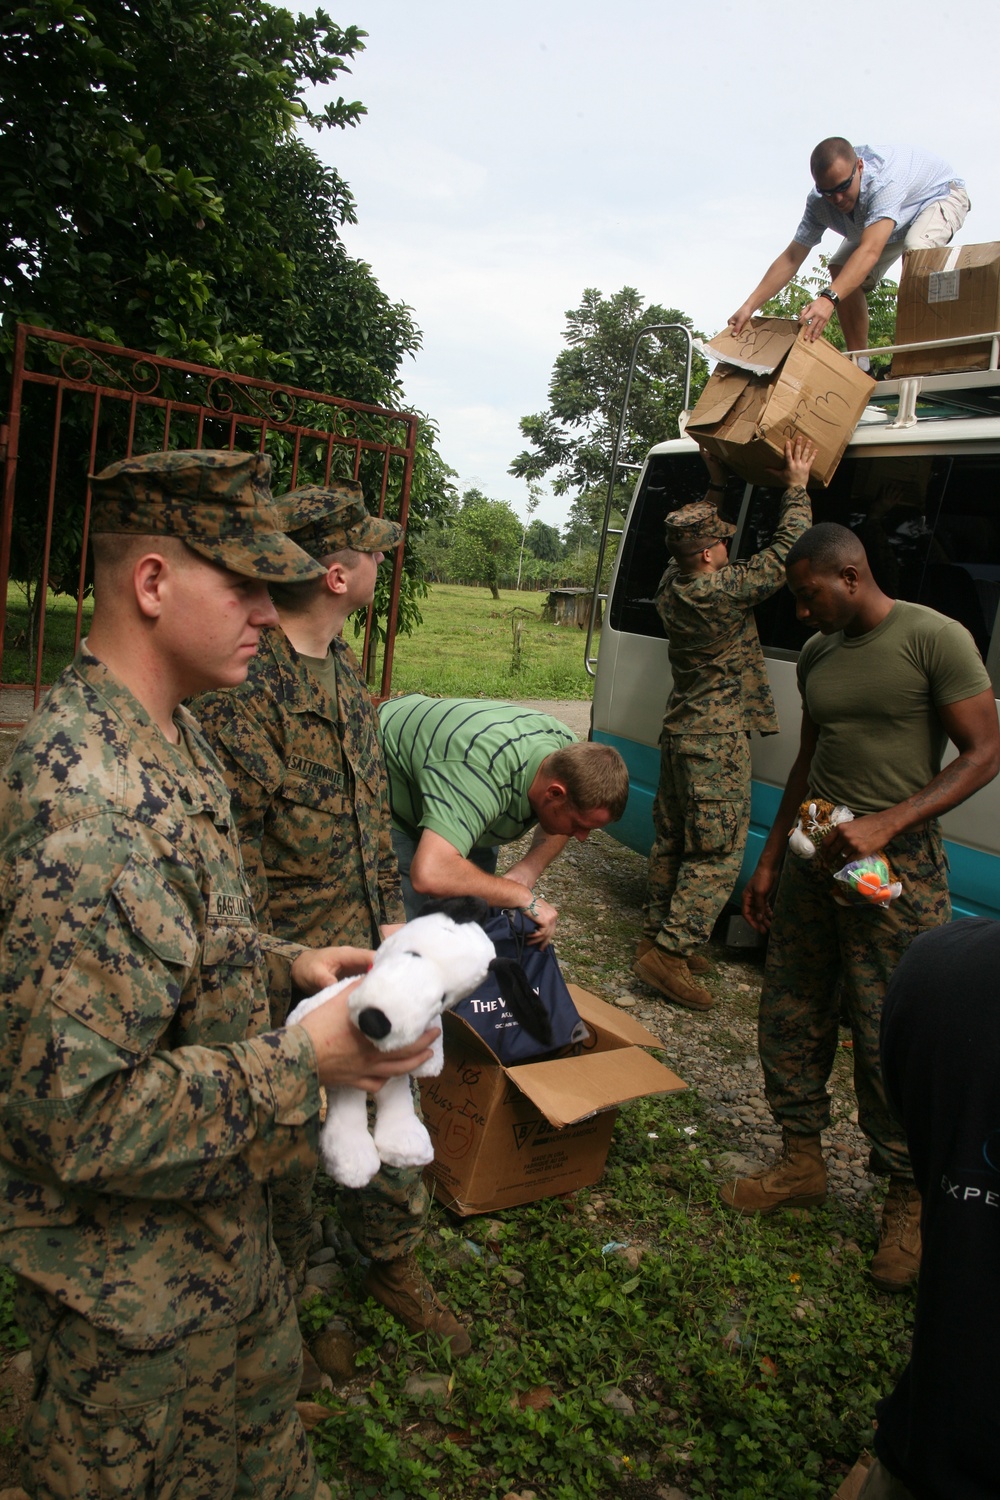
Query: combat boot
column 401, row 1287
column 796, row 1180
column 896, row 1263
column 696, row 962
column 669, row 973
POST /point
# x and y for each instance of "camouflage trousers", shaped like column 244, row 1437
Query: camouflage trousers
column 701, row 815
column 386, row 1219
column 823, row 957
column 213, row 1415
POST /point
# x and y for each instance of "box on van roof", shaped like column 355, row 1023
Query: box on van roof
column 945, row 294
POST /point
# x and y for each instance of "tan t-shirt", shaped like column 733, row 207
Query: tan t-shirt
column 874, row 699
column 325, row 668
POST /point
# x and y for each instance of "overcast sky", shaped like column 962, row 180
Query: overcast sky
column 514, row 154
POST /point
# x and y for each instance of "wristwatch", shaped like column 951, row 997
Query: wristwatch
column 830, row 295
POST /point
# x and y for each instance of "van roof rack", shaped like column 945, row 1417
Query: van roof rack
column 955, row 393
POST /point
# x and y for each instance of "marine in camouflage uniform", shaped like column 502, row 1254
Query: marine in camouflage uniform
column 883, row 685
column 298, row 745
column 720, row 693
column 145, row 1103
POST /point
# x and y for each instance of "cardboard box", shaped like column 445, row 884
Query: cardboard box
column 504, row 1136
column 773, row 385
column 943, row 294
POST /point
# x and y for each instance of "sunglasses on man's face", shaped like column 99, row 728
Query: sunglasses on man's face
column 841, row 186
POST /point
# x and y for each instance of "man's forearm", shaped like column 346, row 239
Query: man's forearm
column 778, row 274
column 954, row 784
column 457, row 876
column 855, row 269
column 543, row 850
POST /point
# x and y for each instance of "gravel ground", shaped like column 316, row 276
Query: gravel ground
column 598, row 888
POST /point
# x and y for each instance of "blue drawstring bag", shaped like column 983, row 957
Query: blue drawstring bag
column 484, row 1010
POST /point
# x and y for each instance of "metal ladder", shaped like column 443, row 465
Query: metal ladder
column 596, row 597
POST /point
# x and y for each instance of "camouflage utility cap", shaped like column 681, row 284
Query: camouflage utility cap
column 217, row 502
column 698, row 522
column 325, row 520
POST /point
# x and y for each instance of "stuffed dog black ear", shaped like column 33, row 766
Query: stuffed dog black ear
column 521, row 1000
column 458, row 908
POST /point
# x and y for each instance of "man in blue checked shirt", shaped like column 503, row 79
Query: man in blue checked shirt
column 884, row 200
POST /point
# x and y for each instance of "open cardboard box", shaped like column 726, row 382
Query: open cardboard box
column 770, row 385
column 504, row 1136
column 944, row 294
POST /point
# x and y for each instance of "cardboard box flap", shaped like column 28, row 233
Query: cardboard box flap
column 760, row 348
column 716, row 400
column 611, row 1019
column 471, row 1039
column 569, row 1089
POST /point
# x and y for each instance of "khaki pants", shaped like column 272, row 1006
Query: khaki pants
column 936, row 226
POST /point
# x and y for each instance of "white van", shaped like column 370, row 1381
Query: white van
column 922, row 490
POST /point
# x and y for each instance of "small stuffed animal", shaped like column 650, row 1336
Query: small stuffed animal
column 425, row 968
column 866, row 880
column 816, row 819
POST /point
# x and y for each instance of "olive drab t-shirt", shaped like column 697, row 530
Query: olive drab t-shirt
column 874, row 697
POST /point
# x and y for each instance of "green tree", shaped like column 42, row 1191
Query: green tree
column 154, row 190
column 799, row 293
column 485, row 541
column 543, row 542
column 575, row 435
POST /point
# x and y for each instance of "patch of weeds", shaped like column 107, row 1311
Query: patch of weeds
column 734, row 1358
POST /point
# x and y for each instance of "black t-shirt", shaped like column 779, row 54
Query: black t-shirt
column 941, row 1062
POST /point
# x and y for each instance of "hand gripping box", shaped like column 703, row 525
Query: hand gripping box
column 504, row 1136
column 770, row 385
column 945, row 294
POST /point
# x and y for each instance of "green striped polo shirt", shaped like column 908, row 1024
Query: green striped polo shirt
column 462, row 766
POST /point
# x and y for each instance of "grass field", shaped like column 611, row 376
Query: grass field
column 60, row 626
column 466, row 648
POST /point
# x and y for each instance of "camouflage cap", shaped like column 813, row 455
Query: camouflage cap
column 217, row 502
column 325, row 520
column 698, row 522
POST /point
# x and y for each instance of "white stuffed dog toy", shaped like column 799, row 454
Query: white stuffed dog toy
column 425, row 968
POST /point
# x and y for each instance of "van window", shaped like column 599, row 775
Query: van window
column 930, row 526
column 669, row 481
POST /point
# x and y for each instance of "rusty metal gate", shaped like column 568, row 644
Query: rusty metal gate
column 77, row 405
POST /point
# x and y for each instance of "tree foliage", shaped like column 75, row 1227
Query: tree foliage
column 543, row 542
column 799, row 293
column 154, row 191
column 486, row 538
column 575, row 435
